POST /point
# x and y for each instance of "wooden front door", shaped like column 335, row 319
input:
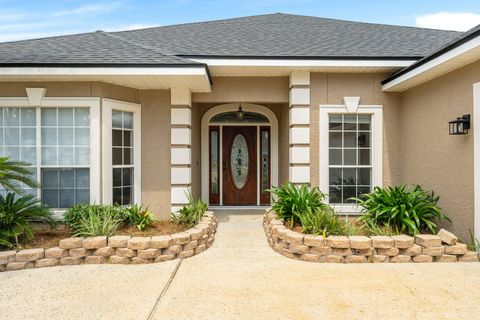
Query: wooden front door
column 239, row 165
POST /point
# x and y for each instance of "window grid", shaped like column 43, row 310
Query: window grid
column 122, row 166
column 340, row 189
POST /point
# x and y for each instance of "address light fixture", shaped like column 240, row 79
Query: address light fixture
column 459, row 126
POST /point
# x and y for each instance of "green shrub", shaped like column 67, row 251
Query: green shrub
column 410, row 210
column 94, row 220
column 15, row 216
column 190, row 214
column 292, row 201
column 320, row 221
column 473, row 244
column 136, row 216
column 12, row 173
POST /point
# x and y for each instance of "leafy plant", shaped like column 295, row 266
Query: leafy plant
column 404, row 209
column 292, row 201
column 373, row 229
column 190, row 214
column 320, row 221
column 97, row 224
column 15, row 216
column 14, row 172
column 138, row 217
column 74, row 215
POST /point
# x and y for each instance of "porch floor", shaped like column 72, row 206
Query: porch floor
column 241, row 277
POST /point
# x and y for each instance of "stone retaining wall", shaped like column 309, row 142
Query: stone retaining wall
column 116, row 249
column 357, row 249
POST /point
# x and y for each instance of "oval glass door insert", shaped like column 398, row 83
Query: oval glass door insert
column 239, row 161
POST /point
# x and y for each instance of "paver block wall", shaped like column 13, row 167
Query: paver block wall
column 116, row 249
column 358, row 249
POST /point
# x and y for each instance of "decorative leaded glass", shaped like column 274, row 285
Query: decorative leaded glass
column 239, row 161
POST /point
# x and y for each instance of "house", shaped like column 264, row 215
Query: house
column 228, row 108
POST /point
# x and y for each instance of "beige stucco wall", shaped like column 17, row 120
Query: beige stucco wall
column 433, row 158
column 331, row 88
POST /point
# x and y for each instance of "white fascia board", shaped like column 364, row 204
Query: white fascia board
column 306, row 63
column 452, row 54
column 167, row 71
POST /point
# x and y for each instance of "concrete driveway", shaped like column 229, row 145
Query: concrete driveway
column 240, row 277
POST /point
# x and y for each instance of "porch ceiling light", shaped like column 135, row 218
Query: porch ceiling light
column 240, row 113
column 459, row 126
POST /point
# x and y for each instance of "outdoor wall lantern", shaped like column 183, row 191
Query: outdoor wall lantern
column 459, row 126
column 240, row 113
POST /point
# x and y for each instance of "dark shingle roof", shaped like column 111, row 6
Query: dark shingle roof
column 85, row 49
column 454, row 43
column 274, row 35
column 285, row 35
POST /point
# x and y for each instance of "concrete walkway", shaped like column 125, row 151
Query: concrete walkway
column 240, row 277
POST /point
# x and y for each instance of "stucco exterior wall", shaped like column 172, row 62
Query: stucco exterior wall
column 433, row 158
column 330, row 88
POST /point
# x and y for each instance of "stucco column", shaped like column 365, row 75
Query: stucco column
column 299, row 122
column 180, row 147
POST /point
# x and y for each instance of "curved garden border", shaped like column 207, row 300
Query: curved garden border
column 116, row 249
column 358, row 249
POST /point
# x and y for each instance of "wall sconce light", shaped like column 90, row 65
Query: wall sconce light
column 240, row 113
column 459, row 126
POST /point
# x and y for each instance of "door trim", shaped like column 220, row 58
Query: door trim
column 205, row 160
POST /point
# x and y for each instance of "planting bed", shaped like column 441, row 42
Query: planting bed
column 116, row 249
column 358, row 249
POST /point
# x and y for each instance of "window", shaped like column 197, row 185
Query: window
column 265, row 164
column 56, row 142
column 350, row 153
column 121, row 152
column 122, row 157
column 214, row 165
column 350, row 164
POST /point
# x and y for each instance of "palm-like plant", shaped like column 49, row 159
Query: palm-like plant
column 15, row 216
column 13, row 172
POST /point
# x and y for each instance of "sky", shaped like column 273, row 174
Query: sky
column 43, row 18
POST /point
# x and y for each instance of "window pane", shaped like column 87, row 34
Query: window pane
column 362, row 190
column 49, row 117
column 65, row 117
column 214, row 162
column 364, row 139
column 127, row 195
column 12, row 117
column 349, row 139
column 335, row 122
column 127, row 156
column 82, row 196
column 12, row 152
column 127, row 138
column 82, row 136
column 350, row 122
column 65, row 156
column 335, row 156
column 335, row 195
column 49, row 155
column 117, row 119
column 350, row 176
column 82, row 179
column 49, row 136
column 67, row 179
column 117, row 196
column 117, row 177
column 335, row 176
column 28, row 117
column 29, row 137
column 29, row 155
column 65, row 136
column 117, row 156
column 349, row 192
column 117, row 138
column 364, row 121
column 82, row 156
column 364, row 157
column 82, row 117
column 350, row 156
column 364, row 175
column 50, row 198
column 127, row 177
column 49, row 178
column 128, row 120
column 335, row 140
column 67, row 198
column 12, row 136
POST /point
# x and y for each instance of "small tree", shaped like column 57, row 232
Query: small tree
column 13, row 172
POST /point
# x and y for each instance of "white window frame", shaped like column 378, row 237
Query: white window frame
column 67, row 102
column 376, row 111
column 107, row 106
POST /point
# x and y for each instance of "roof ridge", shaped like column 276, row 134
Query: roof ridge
column 143, row 46
column 285, row 14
